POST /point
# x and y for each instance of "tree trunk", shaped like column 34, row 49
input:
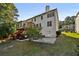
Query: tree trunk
column 30, row 39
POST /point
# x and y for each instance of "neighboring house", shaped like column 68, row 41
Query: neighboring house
column 48, row 21
column 68, row 24
column 28, row 23
column 70, row 27
column 20, row 24
column 77, row 23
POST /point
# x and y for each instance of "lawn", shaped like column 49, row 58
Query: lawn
column 64, row 46
column 73, row 35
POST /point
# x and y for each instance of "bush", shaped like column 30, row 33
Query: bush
column 6, row 29
column 33, row 33
column 58, row 33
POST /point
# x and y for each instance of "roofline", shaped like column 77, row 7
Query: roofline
column 77, row 14
column 41, row 14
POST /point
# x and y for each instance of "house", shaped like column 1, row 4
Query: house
column 70, row 27
column 48, row 21
column 19, row 24
column 77, row 23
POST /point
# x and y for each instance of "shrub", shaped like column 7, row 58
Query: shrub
column 58, row 33
column 33, row 33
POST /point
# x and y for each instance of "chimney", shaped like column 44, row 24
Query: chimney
column 47, row 8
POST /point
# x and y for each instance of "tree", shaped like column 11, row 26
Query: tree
column 67, row 20
column 33, row 33
column 73, row 19
column 69, row 23
column 8, row 13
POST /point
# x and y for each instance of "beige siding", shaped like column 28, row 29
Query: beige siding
column 47, row 31
column 77, row 24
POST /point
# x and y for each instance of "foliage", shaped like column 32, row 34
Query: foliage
column 67, row 24
column 69, row 20
column 7, row 28
column 73, row 19
column 33, row 33
column 8, row 13
column 58, row 33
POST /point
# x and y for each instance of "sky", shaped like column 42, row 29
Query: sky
column 28, row 10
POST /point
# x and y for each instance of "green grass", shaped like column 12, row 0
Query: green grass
column 73, row 35
column 64, row 46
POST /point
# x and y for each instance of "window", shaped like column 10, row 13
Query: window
column 50, row 15
column 36, row 25
column 41, row 17
column 39, row 24
column 34, row 19
column 24, row 25
column 47, row 15
column 49, row 23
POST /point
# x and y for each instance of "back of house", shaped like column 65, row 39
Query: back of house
column 47, row 21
